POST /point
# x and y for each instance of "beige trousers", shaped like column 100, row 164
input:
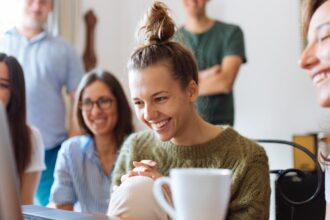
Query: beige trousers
column 134, row 198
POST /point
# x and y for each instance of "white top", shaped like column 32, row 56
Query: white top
column 38, row 152
column 327, row 182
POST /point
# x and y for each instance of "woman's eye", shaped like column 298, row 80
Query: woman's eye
column 137, row 103
column 324, row 37
column 159, row 99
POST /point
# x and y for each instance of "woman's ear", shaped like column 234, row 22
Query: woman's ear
column 192, row 90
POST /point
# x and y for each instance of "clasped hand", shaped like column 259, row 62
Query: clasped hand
column 143, row 168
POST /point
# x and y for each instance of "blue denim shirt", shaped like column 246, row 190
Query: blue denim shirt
column 79, row 176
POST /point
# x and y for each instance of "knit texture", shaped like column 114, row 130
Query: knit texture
column 250, row 187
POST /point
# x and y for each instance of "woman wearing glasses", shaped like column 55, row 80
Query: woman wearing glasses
column 27, row 142
column 83, row 168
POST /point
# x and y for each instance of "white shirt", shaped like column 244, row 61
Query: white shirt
column 37, row 162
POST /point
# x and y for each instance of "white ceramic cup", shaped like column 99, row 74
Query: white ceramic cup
column 197, row 193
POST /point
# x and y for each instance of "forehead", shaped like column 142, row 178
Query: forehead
column 320, row 19
column 3, row 71
column 96, row 88
column 151, row 80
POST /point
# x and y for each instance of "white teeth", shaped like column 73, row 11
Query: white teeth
column 320, row 77
column 159, row 124
column 99, row 121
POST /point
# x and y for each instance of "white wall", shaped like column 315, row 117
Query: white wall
column 274, row 98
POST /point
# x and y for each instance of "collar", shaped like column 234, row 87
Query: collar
column 39, row 37
column 89, row 148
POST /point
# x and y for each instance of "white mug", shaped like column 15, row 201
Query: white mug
column 197, row 193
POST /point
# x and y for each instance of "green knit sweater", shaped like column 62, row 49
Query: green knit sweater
column 250, row 188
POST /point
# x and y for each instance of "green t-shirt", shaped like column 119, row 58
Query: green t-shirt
column 210, row 48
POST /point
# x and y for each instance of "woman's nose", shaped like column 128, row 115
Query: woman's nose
column 308, row 57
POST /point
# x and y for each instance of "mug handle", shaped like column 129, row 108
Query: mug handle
column 159, row 195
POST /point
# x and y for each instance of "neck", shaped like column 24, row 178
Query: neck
column 196, row 131
column 28, row 32
column 198, row 24
column 105, row 144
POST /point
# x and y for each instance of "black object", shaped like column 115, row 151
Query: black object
column 299, row 194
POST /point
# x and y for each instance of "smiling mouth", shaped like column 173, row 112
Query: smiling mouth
column 320, row 77
column 159, row 125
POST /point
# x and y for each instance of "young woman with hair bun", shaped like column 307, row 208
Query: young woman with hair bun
column 163, row 82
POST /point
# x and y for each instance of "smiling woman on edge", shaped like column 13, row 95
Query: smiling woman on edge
column 316, row 59
column 163, row 82
column 27, row 142
column 84, row 165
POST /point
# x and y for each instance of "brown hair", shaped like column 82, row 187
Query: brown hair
column 16, row 112
column 124, row 124
column 308, row 9
column 158, row 29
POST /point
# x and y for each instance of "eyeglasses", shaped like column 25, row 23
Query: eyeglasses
column 102, row 103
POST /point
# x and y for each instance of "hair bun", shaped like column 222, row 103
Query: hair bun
column 158, row 26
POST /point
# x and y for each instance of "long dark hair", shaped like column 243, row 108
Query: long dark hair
column 158, row 30
column 124, row 124
column 16, row 112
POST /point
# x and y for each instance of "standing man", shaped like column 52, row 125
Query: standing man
column 49, row 64
column 219, row 50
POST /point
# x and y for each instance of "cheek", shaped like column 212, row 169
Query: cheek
column 85, row 117
column 324, row 52
column 4, row 96
column 139, row 113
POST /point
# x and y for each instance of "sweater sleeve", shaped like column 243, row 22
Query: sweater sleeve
column 252, row 201
column 124, row 161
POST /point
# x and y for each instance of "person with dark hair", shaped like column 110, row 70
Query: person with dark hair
column 316, row 59
column 163, row 82
column 51, row 66
column 27, row 143
column 84, row 164
column 219, row 50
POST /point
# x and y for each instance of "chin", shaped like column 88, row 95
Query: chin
column 30, row 23
column 324, row 99
column 163, row 137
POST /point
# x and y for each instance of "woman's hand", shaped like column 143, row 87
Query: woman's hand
column 143, row 168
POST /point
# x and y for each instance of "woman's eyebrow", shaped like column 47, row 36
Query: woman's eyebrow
column 4, row 79
column 322, row 25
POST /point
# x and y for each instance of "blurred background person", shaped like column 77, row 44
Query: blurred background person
column 219, row 50
column 27, row 143
column 49, row 64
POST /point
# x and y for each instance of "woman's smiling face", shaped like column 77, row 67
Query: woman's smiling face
column 316, row 56
column 160, row 102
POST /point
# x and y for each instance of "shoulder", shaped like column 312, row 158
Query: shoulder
column 38, row 152
column 227, row 26
column 140, row 141
column 227, row 29
column 243, row 147
column 59, row 43
column 75, row 145
column 141, row 136
column 36, row 140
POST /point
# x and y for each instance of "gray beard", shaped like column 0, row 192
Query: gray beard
column 31, row 24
